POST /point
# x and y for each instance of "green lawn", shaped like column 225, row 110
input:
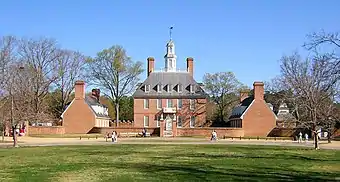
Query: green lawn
column 168, row 163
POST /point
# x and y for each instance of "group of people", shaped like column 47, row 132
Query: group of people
column 300, row 137
column 114, row 136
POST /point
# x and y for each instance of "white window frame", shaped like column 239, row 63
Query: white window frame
column 158, row 121
column 146, row 103
column 159, row 88
column 192, row 104
column 191, row 87
column 148, row 121
column 167, row 103
column 159, row 105
column 179, row 88
column 178, row 118
column 147, row 88
column 192, row 125
column 169, row 88
column 178, row 103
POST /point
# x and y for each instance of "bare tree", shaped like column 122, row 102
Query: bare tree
column 70, row 66
column 115, row 72
column 222, row 87
column 40, row 58
column 308, row 85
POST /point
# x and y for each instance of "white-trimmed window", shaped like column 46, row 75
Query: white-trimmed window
column 169, row 103
column 159, row 103
column 192, row 88
column 179, row 88
column 147, row 88
column 158, row 120
column 169, row 88
column 179, row 122
column 192, row 104
column 146, row 121
column 192, row 121
column 179, row 103
column 146, row 103
column 159, row 88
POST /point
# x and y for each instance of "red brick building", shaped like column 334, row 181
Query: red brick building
column 85, row 112
column 253, row 114
column 169, row 97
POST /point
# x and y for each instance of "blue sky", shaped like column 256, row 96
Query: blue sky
column 245, row 37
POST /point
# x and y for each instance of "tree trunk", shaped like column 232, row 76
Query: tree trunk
column 316, row 140
column 117, row 114
column 15, row 137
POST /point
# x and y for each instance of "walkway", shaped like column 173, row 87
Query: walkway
column 33, row 141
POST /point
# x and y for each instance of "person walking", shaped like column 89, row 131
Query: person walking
column 116, row 136
column 306, row 137
column 300, row 137
column 113, row 136
column 213, row 135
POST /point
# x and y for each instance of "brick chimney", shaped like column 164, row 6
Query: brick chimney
column 79, row 88
column 258, row 90
column 151, row 65
column 244, row 94
column 190, row 66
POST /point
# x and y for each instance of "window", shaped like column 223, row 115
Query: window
column 159, row 88
column 159, row 103
column 169, row 103
column 192, row 104
column 169, row 89
column 192, row 89
column 236, row 123
column 170, row 63
column 147, row 88
column 179, row 88
column 179, row 121
column 146, row 103
column 179, row 103
column 192, row 121
column 158, row 120
column 146, row 121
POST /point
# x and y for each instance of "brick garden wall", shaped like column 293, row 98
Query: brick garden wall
column 206, row 131
column 45, row 130
column 105, row 130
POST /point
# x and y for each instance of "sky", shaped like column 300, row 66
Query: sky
column 243, row 36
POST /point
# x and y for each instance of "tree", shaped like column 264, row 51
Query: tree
column 40, row 58
column 114, row 72
column 70, row 66
column 223, row 88
column 308, row 85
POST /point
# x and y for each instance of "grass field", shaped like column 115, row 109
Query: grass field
column 168, row 163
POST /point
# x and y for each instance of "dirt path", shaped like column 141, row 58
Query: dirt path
column 33, row 141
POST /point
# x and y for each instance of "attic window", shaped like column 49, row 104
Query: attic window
column 169, row 88
column 179, row 88
column 147, row 88
column 191, row 87
column 159, row 88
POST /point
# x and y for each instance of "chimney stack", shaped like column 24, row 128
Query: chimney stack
column 258, row 90
column 190, row 66
column 151, row 65
column 79, row 88
column 244, row 94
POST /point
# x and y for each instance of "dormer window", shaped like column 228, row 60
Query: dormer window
column 159, row 88
column 147, row 88
column 169, row 88
column 192, row 89
column 179, row 88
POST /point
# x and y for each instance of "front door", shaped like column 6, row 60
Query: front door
column 168, row 126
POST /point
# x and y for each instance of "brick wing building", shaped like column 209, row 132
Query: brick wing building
column 253, row 114
column 85, row 112
column 169, row 97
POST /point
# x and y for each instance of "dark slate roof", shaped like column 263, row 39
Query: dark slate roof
column 170, row 78
column 241, row 108
column 92, row 101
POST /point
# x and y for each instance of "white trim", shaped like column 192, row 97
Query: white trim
column 148, row 121
column 147, row 86
column 159, row 107
column 62, row 115
column 247, row 109
column 144, row 102
column 191, row 123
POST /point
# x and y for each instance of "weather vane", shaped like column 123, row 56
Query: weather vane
column 171, row 31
